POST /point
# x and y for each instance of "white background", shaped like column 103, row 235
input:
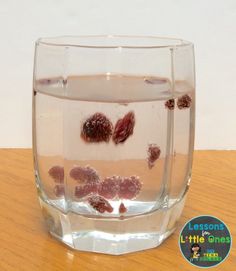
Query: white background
column 209, row 24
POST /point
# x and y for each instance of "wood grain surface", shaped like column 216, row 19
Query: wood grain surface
column 26, row 245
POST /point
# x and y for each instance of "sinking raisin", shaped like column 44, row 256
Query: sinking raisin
column 124, row 128
column 184, row 101
column 154, row 153
column 82, row 191
column 57, row 173
column 84, row 174
column 122, row 208
column 129, row 187
column 170, row 104
column 100, row 204
column 97, row 128
column 108, row 188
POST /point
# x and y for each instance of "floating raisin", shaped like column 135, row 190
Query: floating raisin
column 124, row 128
column 170, row 104
column 122, row 208
column 109, row 187
column 82, row 191
column 155, row 80
column 97, row 128
column 154, row 153
column 84, row 174
column 100, row 204
column 129, row 187
column 184, row 101
column 44, row 81
column 57, row 173
column 59, row 190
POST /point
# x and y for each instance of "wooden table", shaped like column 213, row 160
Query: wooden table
column 26, row 245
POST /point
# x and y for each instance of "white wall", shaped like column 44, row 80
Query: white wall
column 210, row 24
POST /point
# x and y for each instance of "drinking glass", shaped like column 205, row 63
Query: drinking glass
column 113, row 135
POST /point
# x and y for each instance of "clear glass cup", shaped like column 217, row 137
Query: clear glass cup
column 113, row 135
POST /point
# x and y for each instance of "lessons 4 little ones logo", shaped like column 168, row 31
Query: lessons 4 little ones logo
column 205, row 241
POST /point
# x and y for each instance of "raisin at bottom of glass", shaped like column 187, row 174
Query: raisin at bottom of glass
column 113, row 135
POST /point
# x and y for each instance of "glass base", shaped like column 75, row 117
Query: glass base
column 112, row 235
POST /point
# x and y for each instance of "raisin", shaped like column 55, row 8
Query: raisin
column 129, row 187
column 155, row 80
column 57, row 173
column 100, row 204
column 45, row 81
column 82, row 191
column 124, row 128
column 154, row 153
column 59, row 190
column 97, row 128
column 170, row 104
column 122, row 208
column 184, row 101
column 84, row 174
column 109, row 187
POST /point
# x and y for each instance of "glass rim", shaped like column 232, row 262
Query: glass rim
column 88, row 41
